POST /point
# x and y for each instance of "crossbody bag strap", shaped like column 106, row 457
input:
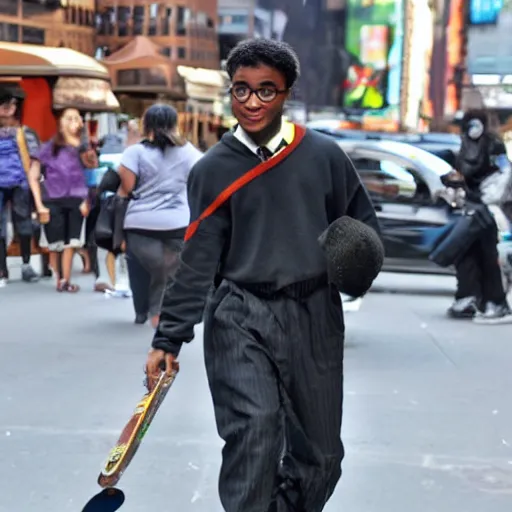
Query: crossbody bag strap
column 23, row 149
column 246, row 178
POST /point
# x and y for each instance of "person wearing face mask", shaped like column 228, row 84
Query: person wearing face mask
column 480, row 294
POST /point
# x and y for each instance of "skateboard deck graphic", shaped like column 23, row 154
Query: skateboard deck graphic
column 129, row 441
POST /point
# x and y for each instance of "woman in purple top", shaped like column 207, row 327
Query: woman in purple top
column 58, row 184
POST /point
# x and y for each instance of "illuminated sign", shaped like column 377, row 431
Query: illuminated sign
column 484, row 12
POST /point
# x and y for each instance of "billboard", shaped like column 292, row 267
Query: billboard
column 350, row 50
column 374, row 43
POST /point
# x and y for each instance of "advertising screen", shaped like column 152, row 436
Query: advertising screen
column 374, row 42
column 484, row 12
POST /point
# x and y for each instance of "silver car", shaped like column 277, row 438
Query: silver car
column 413, row 205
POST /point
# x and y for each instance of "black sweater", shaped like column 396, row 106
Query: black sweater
column 267, row 232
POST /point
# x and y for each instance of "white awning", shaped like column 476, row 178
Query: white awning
column 203, row 84
column 35, row 60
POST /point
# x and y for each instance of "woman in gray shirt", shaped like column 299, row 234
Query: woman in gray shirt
column 154, row 174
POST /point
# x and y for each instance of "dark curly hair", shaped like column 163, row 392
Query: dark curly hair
column 275, row 54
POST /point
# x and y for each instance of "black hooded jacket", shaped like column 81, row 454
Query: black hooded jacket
column 475, row 160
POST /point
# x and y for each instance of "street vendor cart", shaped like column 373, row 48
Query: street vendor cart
column 52, row 79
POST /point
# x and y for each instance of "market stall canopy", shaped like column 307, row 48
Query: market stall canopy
column 204, row 84
column 82, row 82
column 206, row 87
column 139, row 66
column 35, row 60
column 88, row 94
column 139, row 52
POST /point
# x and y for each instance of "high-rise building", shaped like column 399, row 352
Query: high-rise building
column 68, row 23
column 315, row 28
column 185, row 30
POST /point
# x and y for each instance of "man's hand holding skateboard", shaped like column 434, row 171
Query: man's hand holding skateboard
column 159, row 361
column 161, row 370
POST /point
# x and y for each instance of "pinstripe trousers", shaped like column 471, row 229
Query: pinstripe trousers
column 275, row 371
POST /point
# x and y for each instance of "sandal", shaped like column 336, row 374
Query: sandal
column 64, row 286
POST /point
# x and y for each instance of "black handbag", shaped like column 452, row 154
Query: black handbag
column 109, row 229
column 475, row 221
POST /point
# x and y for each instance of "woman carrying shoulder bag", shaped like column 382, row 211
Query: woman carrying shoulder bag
column 154, row 173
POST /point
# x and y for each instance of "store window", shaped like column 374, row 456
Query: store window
column 123, row 21
column 9, row 7
column 31, row 35
column 153, row 19
column 9, row 32
column 239, row 19
column 166, row 21
column 391, row 181
column 182, row 21
column 138, row 20
column 105, row 22
column 141, row 77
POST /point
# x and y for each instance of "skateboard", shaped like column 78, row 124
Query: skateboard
column 111, row 498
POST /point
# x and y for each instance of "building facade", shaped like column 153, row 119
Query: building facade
column 236, row 22
column 68, row 23
column 185, row 30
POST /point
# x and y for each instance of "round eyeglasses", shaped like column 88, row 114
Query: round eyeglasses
column 266, row 93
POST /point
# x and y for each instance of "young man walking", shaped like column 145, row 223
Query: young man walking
column 273, row 325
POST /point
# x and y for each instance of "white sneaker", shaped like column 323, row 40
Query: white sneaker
column 3, row 282
column 119, row 293
column 351, row 304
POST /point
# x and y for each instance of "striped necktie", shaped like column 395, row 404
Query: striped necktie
column 264, row 153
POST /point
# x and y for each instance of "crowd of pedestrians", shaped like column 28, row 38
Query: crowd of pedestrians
column 52, row 192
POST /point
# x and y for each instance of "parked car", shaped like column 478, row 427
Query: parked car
column 444, row 145
column 412, row 204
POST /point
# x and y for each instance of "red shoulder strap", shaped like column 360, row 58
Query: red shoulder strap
column 253, row 173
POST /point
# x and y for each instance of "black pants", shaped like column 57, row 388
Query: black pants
column 151, row 261
column 275, row 370
column 139, row 278
column 20, row 201
column 65, row 226
column 479, row 273
column 90, row 242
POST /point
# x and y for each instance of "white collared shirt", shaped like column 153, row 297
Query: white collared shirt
column 271, row 145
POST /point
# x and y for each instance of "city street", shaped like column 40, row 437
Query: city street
column 427, row 416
